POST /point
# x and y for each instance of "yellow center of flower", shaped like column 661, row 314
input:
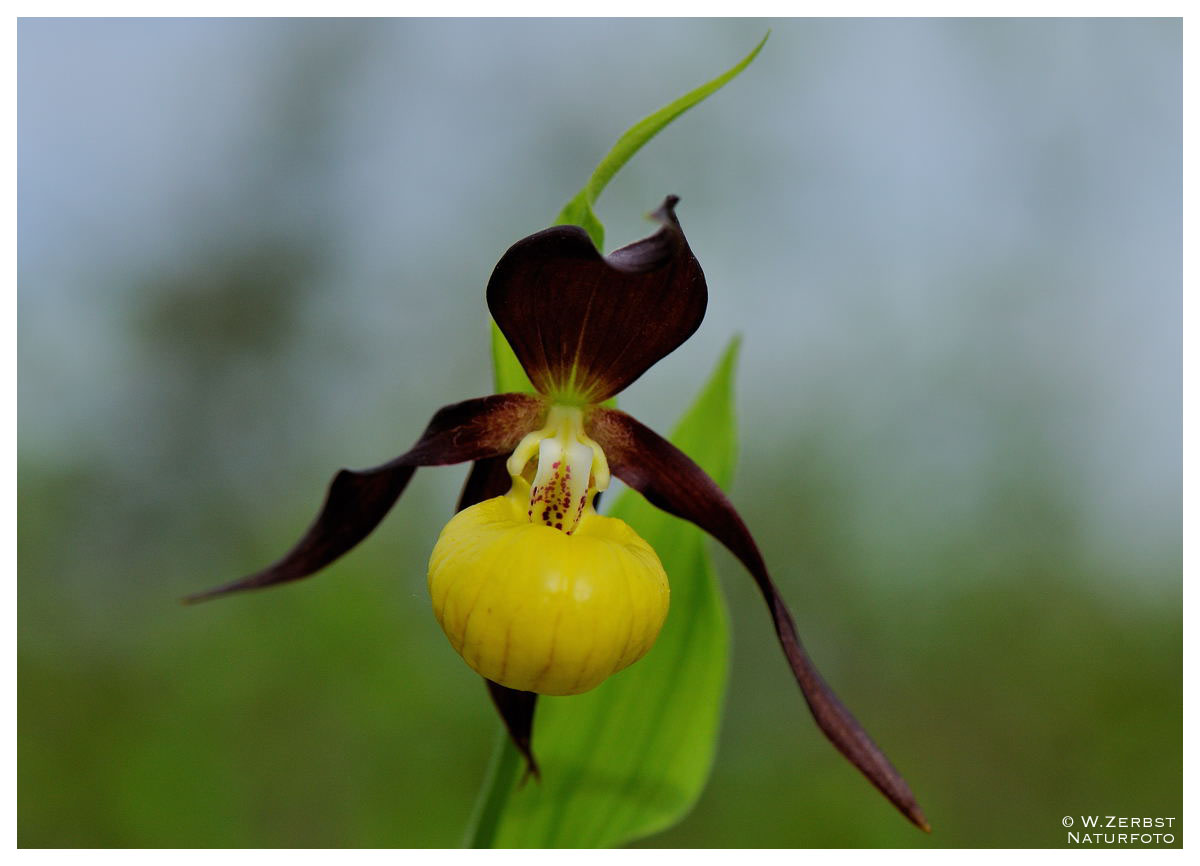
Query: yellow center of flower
column 534, row 589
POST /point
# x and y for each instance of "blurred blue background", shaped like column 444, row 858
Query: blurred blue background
column 254, row 251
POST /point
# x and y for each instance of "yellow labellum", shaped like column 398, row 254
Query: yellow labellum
column 537, row 609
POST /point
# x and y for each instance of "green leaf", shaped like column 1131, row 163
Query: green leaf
column 631, row 757
column 509, row 374
column 578, row 211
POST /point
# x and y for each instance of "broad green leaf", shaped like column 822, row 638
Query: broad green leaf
column 631, row 757
column 578, row 211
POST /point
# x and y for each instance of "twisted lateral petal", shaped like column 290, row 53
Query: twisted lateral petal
column 358, row 499
column 489, row 478
column 585, row 326
column 670, row 480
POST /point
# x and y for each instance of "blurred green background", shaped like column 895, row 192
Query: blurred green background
column 252, row 252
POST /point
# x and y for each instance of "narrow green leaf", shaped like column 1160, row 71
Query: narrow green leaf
column 579, row 210
column 631, row 757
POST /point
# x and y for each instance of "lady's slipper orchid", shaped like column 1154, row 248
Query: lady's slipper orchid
column 535, row 590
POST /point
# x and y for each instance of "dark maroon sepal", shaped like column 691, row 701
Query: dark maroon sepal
column 589, row 324
column 489, row 478
column 669, row 479
column 357, row 500
column 516, row 709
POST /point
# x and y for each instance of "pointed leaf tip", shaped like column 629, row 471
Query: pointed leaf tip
column 579, row 210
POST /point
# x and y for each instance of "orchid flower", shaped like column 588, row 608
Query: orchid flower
column 535, row 590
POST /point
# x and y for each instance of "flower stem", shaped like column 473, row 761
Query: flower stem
column 501, row 778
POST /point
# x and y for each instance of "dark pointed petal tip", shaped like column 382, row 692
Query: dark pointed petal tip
column 516, row 709
column 357, row 500
column 586, row 325
column 669, row 479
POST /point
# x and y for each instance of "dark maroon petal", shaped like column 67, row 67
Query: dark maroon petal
column 358, row 500
column 590, row 325
column 516, row 709
column 489, row 478
column 669, row 479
